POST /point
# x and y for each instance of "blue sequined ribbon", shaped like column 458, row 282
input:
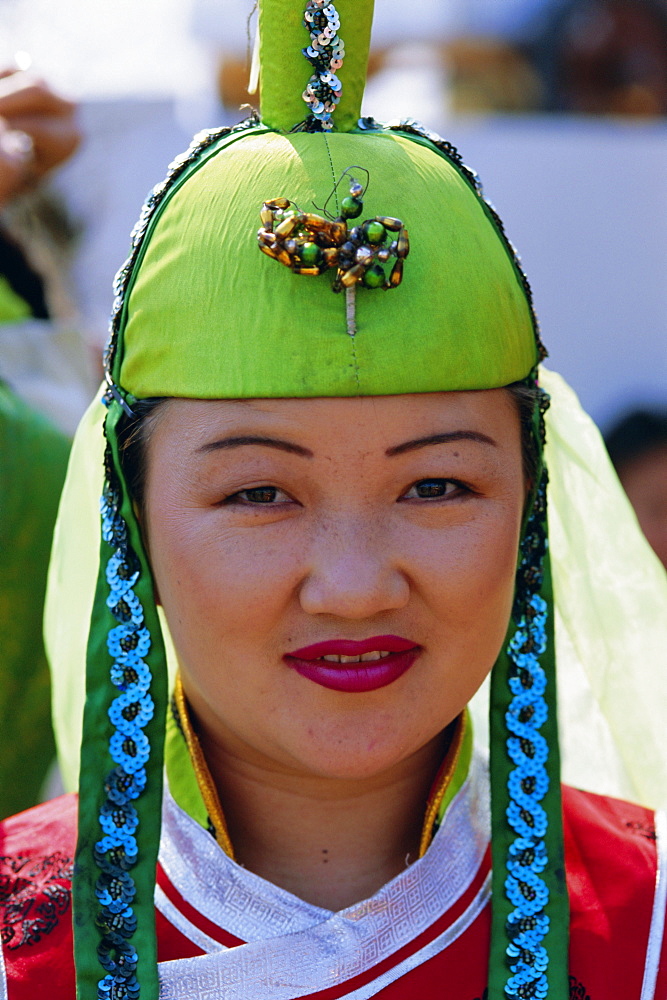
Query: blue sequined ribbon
column 116, row 852
column 325, row 54
column 528, row 783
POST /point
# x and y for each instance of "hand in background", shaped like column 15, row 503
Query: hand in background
column 38, row 130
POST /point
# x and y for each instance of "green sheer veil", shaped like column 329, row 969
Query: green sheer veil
column 201, row 312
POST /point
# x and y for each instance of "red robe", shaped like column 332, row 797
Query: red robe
column 616, row 900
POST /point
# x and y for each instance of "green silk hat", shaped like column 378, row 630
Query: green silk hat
column 308, row 253
column 202, row 249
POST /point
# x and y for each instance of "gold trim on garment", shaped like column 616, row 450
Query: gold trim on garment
column 209, row 792
column 442, row 782
column 211, row 798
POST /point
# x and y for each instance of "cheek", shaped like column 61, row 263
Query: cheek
column 216, row 585
column 468, row 580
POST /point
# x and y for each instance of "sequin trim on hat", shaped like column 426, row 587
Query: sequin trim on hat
column 325, row 54
column 528, row 923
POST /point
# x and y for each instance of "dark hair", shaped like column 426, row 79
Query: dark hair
column 637, row 433
column 528, row 398
column 134, row 434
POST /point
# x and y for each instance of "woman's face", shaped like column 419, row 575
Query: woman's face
column 277, row 525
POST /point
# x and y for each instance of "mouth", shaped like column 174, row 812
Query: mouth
column 355, row 666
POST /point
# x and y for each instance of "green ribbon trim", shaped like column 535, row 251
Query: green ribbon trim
column 556, row 940
column 97, row 730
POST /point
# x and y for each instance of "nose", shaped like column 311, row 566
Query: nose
column 353, row 574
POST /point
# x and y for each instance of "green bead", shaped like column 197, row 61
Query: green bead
column 351, row 207
column 310, row 254
column 374, row 277
column 375, row 233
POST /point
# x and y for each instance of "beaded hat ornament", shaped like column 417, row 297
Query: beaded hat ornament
column 181, row 326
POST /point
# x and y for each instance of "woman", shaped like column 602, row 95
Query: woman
column 325, row 495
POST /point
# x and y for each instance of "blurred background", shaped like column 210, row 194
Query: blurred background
column 559, row 105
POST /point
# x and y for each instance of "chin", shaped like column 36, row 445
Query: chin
column 358, row 753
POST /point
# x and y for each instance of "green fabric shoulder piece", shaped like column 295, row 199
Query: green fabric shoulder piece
column 460, row 772
column 33, row 462
column 189, row 330
column 181, row 776
column 285, row 70
column 12, row 307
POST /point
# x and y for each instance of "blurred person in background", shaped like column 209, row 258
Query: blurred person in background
column 637, row 445
column 37, row 132
column 41, row 351
column 596, row 57
column 603, row 56
column 324, row 756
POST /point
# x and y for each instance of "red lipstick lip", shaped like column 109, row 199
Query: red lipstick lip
column 355, row 678
column 353, row 647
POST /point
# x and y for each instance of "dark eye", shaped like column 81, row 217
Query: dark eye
column 427, row 489
column 262, row 494
column 258, row 495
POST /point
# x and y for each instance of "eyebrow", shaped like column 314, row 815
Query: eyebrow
column 255, row 439
column 432, row 439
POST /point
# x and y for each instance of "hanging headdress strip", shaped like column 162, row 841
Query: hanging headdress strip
column 530, row 912
column 126, row 685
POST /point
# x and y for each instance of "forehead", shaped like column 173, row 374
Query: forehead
column 370, row 416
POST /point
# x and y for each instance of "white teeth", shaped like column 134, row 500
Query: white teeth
column 376, row 654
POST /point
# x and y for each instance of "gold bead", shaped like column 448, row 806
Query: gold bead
column 403, row 244
column 276, row 203
column 331, row 256
column 352, row 276
column 287, row 227
column 396, row 275
column 393, row 225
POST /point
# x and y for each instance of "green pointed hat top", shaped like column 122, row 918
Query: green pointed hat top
column 334, row 37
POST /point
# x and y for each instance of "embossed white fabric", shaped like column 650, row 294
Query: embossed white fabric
column 295, row 948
